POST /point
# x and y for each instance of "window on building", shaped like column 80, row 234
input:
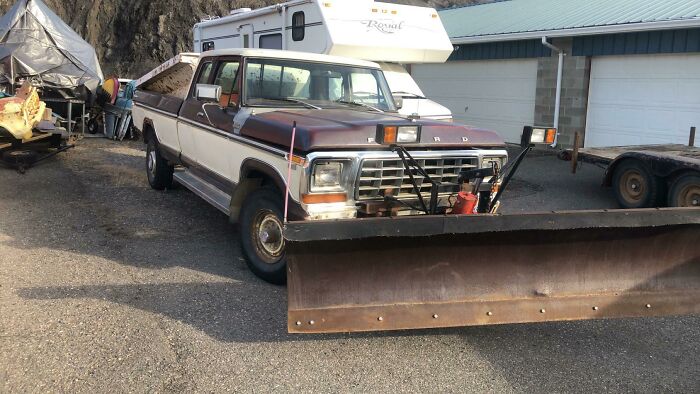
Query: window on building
column 207, row 46
column 298, row 26
column 271, row 41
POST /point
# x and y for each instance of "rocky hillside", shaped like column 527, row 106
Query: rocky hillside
column 133, row 36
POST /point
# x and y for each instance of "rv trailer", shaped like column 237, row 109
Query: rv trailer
column 389, row 34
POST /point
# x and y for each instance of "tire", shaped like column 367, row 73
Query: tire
column 685, row 191
column 20, row 157
column 159, row 171
column 635, row 186
column 261, row 217
column 93, row 126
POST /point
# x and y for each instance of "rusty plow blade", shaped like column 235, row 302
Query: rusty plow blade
column 448, row 271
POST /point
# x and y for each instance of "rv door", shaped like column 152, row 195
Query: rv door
column 247, row 40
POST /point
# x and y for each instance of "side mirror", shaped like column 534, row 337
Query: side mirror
column 208, row 93
column 398, row 100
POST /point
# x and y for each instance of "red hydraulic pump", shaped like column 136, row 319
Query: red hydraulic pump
column 465, row 204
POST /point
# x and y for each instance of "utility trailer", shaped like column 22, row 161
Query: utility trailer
column 647, row 176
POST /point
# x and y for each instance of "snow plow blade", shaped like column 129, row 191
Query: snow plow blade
column 448, row 271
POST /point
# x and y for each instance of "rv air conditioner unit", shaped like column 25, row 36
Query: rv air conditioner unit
column 240, row 11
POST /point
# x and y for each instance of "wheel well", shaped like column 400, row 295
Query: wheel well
column 610, row 172
column 251, row 180
column 682, row 172
column 148, row 131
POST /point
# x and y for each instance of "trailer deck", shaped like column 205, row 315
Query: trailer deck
column 607, row 155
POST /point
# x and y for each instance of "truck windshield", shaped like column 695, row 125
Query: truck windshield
column 289, row 83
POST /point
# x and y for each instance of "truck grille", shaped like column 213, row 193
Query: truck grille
column 382, row 177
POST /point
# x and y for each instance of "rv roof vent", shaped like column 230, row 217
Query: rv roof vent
column 239, row 11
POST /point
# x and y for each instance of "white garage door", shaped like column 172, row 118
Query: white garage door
column 640, row 100
column 492, row 94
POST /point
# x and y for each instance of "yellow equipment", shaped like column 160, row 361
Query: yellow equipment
column 20, row 114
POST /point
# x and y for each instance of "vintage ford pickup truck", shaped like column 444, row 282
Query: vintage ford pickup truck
column 227, row 137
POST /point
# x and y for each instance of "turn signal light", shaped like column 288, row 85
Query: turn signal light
column 550, row 136
column 324, row 198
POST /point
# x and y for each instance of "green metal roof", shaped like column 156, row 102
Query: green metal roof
column 525, row 19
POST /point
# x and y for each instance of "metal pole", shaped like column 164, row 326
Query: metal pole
column 574, row 153
column 691, row 141
column 82, row 122
column 70, row 119
column 12, row 75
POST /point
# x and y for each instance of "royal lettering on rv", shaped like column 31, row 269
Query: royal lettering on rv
column 386, row 26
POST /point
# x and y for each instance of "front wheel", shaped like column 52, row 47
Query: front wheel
column 160, row 172
column 685, row 191
column 262, row 237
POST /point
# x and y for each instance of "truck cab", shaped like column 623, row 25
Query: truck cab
column 393, row 35
column 267, row 136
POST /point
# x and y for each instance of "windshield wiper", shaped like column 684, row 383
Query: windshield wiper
column 409, row 94
column 359, row 104
column 291, row 100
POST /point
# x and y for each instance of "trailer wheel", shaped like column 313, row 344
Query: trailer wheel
column 262, row 240
column 685, row 191
column 160, row 172
column 635, row 186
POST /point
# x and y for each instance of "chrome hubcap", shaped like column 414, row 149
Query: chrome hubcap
column 269, row 235
column 152, row 162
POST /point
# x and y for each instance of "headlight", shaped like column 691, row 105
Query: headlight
column 407, row 134
column 394, row 134
column 487, row 162
column 326, row 177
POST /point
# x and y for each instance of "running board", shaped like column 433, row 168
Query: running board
column 204, row 189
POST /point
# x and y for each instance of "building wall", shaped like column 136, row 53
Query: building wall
column 574, row 93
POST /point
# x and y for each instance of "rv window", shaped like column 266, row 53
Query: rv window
column 226, row 78
column 271, row 41
column 246, row 41
column 208, row 46
column 298, row 26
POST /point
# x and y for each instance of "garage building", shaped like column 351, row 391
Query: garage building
column 630, row 75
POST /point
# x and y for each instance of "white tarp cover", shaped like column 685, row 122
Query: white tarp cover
column 35, row 42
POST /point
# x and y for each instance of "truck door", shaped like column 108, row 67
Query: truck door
column 211, row 124
column 185, row 129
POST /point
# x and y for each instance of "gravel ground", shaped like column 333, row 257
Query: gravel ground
column 106, row 285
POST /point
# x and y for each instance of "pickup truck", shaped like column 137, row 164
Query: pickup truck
column 228, row 138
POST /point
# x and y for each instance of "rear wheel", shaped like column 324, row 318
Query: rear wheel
column 160, row 172
column 635, row 186
column 262, row 238
column 685, row 191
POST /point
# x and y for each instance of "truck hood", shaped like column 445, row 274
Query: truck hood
column 348, row 129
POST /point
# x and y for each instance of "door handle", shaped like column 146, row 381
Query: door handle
column 201, row 115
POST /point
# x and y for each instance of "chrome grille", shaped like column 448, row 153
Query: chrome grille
column 382, row 177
